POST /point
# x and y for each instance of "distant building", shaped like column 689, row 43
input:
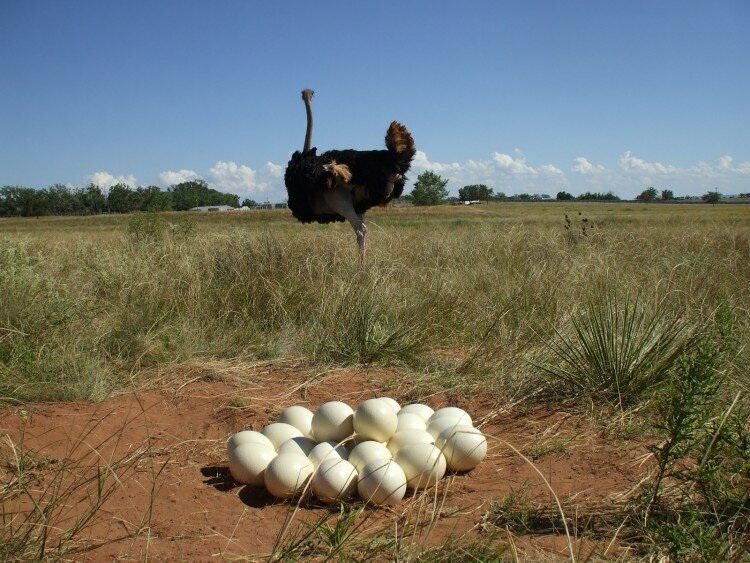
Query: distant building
column 280, row 206
column 264, row 206
column 212, row 208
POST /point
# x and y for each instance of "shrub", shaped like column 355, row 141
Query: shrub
column 616, row 350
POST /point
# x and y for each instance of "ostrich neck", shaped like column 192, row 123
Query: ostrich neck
column 308, row 134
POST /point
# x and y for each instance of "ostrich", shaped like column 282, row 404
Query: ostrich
column 340, row 185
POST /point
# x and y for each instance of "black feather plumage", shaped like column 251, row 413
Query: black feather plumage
column 377, row 176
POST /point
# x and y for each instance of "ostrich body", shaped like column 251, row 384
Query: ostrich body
column 341, row 185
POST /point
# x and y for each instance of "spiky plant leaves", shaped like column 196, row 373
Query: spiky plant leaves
column 616, row 349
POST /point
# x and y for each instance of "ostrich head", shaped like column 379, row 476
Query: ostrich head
column 307, row 96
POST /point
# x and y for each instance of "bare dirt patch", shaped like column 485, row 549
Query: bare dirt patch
column 182, row 504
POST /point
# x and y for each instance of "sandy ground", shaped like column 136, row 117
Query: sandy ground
column 177, row 501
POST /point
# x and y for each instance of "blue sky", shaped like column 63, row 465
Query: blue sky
column 523, row 96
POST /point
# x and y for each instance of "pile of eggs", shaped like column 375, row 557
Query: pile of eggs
column 378, row 450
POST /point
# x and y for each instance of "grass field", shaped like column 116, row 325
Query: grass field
column 634, row 317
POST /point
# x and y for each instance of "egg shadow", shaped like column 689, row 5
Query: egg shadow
column 257, row 497
column 218, row 477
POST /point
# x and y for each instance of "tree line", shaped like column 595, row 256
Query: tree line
column 58, row 199
column 431, row 189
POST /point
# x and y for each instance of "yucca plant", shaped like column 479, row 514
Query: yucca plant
column 616, row 349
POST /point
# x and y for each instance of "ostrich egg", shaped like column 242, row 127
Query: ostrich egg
column 365, row 452
column 423, row 465
column 423, row 411
column 333, row 421
column 382, row 482
column 327, row 450
column 435, row 427
column 247, row 437
column 299, row 417
column 394, row 404
column 453, row 412
column 406, row 437
column 299, row 445
column 280, row 432
column 375, row 419
column 334, row 479
column 463, row 447
column 287, row 475
column 409, row 421
column 248, row 462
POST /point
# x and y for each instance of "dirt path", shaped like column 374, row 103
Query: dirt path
column 177, row 434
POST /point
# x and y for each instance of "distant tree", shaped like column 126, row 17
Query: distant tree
column 522, row 197
column 247, row 202
column 589, row 196
column 429, row 189
column 475, row 192
column 564, row 196
column 120, row 199
column 63, row 201
column 711, row 197
column 667, row 195
column 93, row 200
column 152, row 199
column 499, row 196
column 648, row 194
column 196, row 193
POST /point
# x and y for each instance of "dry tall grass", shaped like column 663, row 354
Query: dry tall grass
column 87, row 303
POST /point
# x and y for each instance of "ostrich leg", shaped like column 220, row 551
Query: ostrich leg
column 340, row 200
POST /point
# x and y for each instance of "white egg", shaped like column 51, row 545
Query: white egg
column 333, row 421
column 248, row 462
column 299, row 445
column 327, row 450
column 280, row 432
column 375, row 420
column 247, row 437
column 334, row 479
column 435, row 427
column 406, row 437
column 463, row 446
column 382, row 482
column 287, row 475
column 453, row 412
column 423, row 464
column 394, row 404
column 422, row 411
column 299, row 417
column 364, row 453
column 410, row 421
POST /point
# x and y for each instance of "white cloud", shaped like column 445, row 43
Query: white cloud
column 171, row 177
column 234, row 178
column 510, row 165
column 230, row 177
column 421, row 162
column 726, row 164
column 582, row 165
column 550, row 170
column 631, row 163
column 501, row 171
column 105, row 180
column 274, row 170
